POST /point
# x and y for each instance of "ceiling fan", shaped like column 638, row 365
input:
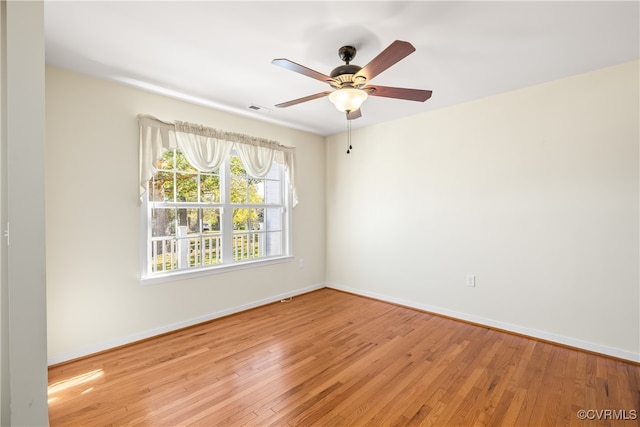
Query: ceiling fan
column 349, row 81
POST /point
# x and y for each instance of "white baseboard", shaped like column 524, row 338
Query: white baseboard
column 86, row 351
column 534, row 333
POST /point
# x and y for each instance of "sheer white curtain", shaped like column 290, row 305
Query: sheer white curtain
column 206, row 148
column 156, row 137
column 257, row 160
column 202, row 148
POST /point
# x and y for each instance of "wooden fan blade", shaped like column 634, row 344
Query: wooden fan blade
column 398, row 92
column 393, row 53
column 351, row 115
column 304, row 99
column 290, row 65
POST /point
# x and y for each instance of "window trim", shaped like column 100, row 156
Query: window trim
column 208, row 271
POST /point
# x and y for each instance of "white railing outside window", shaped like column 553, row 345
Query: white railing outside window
column 175, row 254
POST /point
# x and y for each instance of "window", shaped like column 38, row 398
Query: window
column 202, row 221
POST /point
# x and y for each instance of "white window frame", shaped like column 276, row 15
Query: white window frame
column 226, row 228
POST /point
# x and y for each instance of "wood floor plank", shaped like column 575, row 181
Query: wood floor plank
column 329, row 358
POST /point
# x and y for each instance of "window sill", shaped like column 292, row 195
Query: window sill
column 208, row 271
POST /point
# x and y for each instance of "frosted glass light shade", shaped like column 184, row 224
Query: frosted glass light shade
column 348, row 99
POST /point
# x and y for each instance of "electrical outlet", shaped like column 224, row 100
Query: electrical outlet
column 301, row 263
column 471, row 280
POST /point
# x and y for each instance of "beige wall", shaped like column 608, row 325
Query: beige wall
column 536, row 192
column 94, row 297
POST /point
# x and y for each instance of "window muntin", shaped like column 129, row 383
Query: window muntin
column 209, row 220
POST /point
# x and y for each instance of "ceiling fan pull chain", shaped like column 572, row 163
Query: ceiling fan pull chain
column 349, row 134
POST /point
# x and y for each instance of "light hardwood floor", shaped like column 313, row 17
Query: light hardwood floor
column 331, row 358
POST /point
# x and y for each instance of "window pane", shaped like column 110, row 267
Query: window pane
column 188, row 221
column 273, row 244
column 163, row 222
column 246, row 190
column 168, row 190
column 255, row 190
column 210, row 221
column 247, row 219
column 272, row 219
column 256, row 219
column 273, row 192
column 183, row 253
column 155, row 191
column 187, row 188
column 241, row 219
column 238, row 190
column 241, row 246
column 211, row 249
column 163, row 255
column 161, row 187
column 209, row 188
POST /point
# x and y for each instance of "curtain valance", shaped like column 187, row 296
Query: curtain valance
column 206, row 149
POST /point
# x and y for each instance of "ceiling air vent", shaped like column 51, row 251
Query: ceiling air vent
column 259, row 108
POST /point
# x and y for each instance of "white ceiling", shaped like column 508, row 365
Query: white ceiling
column 219, row 53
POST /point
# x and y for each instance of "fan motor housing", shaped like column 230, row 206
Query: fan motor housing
column 344, row 69
column 345, row 76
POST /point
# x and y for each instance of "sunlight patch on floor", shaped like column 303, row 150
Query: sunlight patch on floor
column 74, row 382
